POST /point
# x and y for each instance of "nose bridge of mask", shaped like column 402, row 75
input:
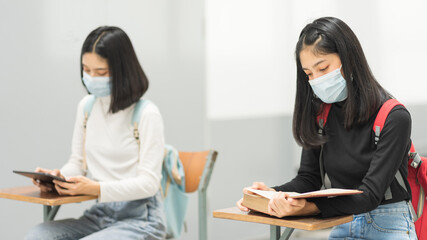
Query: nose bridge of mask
column 95, row 79
column 325, row 77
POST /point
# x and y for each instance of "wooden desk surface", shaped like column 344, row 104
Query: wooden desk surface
column 33, row 194
column 305, row 223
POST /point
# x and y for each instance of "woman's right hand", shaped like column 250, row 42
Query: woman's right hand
column 46, row 187
column 255, row 185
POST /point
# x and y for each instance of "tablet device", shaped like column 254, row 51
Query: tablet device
column 42, row 177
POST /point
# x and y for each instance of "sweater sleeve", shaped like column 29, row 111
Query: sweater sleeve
column 74, row 165
column 393, row 146
column 308, row 177
column 146, row 183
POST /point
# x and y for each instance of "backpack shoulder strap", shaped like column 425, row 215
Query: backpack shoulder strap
column 380, row 122
column 382, row 117
column 322, row 117
column 139, row 107
column 378, row 127
column 136, row 117
column 87, row 109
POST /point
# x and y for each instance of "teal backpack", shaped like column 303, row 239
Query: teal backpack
column 173, row 180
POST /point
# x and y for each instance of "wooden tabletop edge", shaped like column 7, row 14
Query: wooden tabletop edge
column 235, row 214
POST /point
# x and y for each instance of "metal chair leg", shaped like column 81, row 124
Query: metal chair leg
column 203, row 224
column 202, row 188
column 49, row 212
column 287, row 233
column 275, row 233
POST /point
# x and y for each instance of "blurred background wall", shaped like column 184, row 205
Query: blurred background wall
column 221, row 71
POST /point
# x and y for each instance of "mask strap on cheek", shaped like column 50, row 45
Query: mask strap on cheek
column 351, row 75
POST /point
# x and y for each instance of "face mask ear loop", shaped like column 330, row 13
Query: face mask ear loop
column 351, row 75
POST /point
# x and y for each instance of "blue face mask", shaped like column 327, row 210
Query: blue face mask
column 98, row 86
column 331, row 87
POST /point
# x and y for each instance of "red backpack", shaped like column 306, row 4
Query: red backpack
column 417, row 171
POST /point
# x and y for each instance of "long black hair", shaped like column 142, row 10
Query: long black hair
column 129, row 82
column 364, row 94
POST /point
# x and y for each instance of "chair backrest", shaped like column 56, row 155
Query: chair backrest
column 198, row 168
column 195, row 164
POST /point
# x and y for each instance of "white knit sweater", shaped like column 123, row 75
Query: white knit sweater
column 112, row 151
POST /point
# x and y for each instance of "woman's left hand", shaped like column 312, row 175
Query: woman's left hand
column 281, row 206
column 79, row 185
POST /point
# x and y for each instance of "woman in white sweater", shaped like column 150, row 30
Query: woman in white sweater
column 126, row 181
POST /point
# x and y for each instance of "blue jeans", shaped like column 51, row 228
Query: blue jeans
column 138, row 219
column 389, row 222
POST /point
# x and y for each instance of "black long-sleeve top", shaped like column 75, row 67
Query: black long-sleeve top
column 353, row 161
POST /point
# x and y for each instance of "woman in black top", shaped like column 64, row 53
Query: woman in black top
column 332, row 68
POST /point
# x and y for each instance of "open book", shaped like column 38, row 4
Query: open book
column 259, row 199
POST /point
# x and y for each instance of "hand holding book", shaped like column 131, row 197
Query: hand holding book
column 255, row 185
column 258, row 200
column 331, row 192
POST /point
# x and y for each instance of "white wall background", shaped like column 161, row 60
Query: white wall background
column 250, row 50
column 40, row 44
column 217, row 69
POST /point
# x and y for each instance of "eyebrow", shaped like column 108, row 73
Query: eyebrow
column 319, row 62
column 96, row 68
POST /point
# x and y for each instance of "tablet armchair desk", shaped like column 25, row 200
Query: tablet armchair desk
column 304, row 223
column 51, row 201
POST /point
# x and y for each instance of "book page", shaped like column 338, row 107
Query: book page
column 326, row 193
column 321, row 193
column 266, row 194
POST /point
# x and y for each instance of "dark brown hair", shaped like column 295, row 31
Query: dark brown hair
column 129, row 82
column 364, row 94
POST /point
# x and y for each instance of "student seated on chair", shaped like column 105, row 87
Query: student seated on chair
column 332, row 68
column 124, row 175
